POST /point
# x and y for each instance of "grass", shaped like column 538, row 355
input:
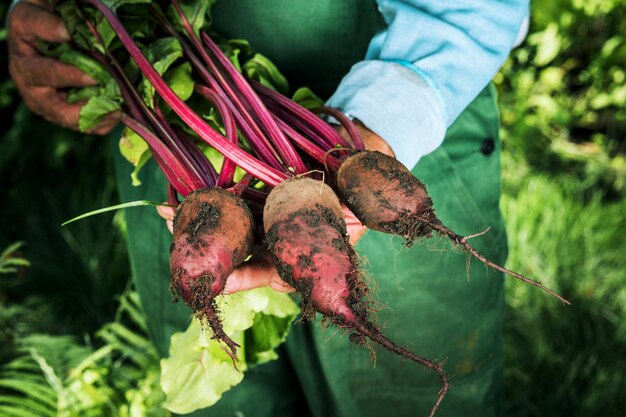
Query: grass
column 565, row 361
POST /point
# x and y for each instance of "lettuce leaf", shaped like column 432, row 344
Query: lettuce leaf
column 198, row 372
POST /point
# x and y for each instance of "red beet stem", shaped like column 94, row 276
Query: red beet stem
column 217, row 81
column 351, row 128
column 246, row 161
column 287, row 151
column 332, row 137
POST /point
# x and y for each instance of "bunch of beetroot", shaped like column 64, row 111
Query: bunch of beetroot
column 296, row 165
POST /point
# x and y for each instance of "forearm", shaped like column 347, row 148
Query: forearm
column 426, row 67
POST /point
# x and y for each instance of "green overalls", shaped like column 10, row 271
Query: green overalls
column 435, row 302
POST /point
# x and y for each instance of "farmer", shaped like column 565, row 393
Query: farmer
column 422, row 94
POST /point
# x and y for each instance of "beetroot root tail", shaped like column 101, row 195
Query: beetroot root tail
column 462, row 241
column 374, row 335
column 210, row 316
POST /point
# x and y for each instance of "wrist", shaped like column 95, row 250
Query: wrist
column 372, row 141
column 395, row 103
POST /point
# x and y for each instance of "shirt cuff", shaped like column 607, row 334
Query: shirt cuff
column 396, row 103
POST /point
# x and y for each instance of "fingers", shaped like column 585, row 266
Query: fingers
column 44, row 4
column 354, row 226
column 39, row 79
column 38, row 71
column 371, row 140
column 52, row 105
column 167, row 213
column 256, row 273
column 107, row 124
column 170, row 225
column 28, row 23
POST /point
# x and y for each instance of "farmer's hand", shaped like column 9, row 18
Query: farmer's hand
column 371, row 140
column 259, row 271
column 41, row 80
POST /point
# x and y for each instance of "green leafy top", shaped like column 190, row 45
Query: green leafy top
column 198, row 13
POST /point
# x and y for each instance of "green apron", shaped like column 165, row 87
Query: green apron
column 434, row 301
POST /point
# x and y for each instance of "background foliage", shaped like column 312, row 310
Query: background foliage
column 563, row 97
column 72, row 344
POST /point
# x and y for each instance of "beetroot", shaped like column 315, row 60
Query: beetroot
column 386, row 197
column 213, row 234
column 307, row 237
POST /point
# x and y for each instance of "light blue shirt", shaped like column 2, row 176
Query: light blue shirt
column 420, row 73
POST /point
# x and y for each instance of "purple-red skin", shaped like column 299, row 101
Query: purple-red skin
column 307, row 236
column 385, row 195
column 213, row 234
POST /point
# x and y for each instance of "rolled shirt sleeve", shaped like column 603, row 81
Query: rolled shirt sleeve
column 430, row 62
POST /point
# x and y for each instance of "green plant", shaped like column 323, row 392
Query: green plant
column 11, row 260
column 59, row 376
column 563, row 93
column 565, row 360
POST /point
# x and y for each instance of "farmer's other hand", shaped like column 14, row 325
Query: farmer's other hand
column 371, row 140
column 40, row 80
